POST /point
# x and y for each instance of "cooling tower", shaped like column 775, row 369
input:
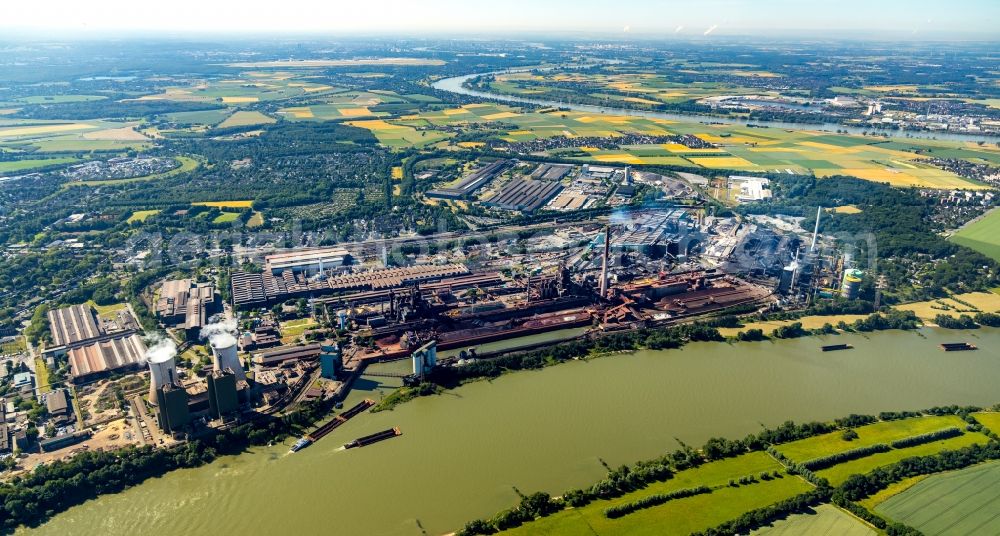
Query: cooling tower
column 162, row 371
column 225, row 356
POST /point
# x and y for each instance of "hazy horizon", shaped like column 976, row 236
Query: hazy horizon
column 849, row 19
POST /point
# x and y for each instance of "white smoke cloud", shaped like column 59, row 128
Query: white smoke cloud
column 711, row 29
column 220, row 334
column 679, row 29
column 159, row 348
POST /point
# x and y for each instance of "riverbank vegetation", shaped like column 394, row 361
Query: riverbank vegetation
column 30, row 499
column 734, row 486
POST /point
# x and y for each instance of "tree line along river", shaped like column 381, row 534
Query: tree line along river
column 463, row 452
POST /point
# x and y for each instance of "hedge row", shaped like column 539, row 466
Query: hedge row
column 653, row 500
column 925, row 438
column 817, row 464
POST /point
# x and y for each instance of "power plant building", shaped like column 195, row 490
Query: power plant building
column 172, row 408
column 223, row 395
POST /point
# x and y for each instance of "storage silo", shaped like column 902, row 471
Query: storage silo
column 851, row 286
column 225, row 356
column 424, row 359
column 162, row 371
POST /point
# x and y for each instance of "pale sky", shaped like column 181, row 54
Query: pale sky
column 972, row 19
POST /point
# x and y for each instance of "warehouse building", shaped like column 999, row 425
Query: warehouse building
column 309, row 262
column 278, row 356
column 750, row 188
column 185, row 304
column 468, row 186
column 524, row 195
column 551, row 172
column 79, row 326
column 259, row 289
column 74, row 324
column 121, row 352
column 59, row 408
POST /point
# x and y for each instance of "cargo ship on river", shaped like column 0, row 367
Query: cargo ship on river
column 373, row 438
column 325, row 429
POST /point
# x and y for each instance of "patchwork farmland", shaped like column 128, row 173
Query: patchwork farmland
column 951, row 504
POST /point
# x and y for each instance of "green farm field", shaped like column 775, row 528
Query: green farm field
column 737, row 147
column 400, row 136
column 226, row 217
column 141, row 215
column 880, row 432
column 681, row 516
column 202, row 117
column 242, row 118
column 826, row 520
column 247, row 88
column 27, row 165
column 839, row 473
column 982, row 235
column 989, row 419
column 346, row 105
column 956, row 503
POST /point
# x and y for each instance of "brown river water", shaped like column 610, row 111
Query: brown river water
column 462, row 453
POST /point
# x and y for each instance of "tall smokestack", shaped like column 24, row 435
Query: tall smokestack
column 604, row 262
column 819, row 210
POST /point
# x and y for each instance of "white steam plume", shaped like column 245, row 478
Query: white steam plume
column 220, row 334
column 159, row 348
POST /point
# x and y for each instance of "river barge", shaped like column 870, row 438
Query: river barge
column 318, row 433
column 957, row 346
column 835, row 347
column 373, row 438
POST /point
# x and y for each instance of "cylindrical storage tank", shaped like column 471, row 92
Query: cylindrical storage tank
column 225, row 355
column 851, row 286
column 162, row 371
